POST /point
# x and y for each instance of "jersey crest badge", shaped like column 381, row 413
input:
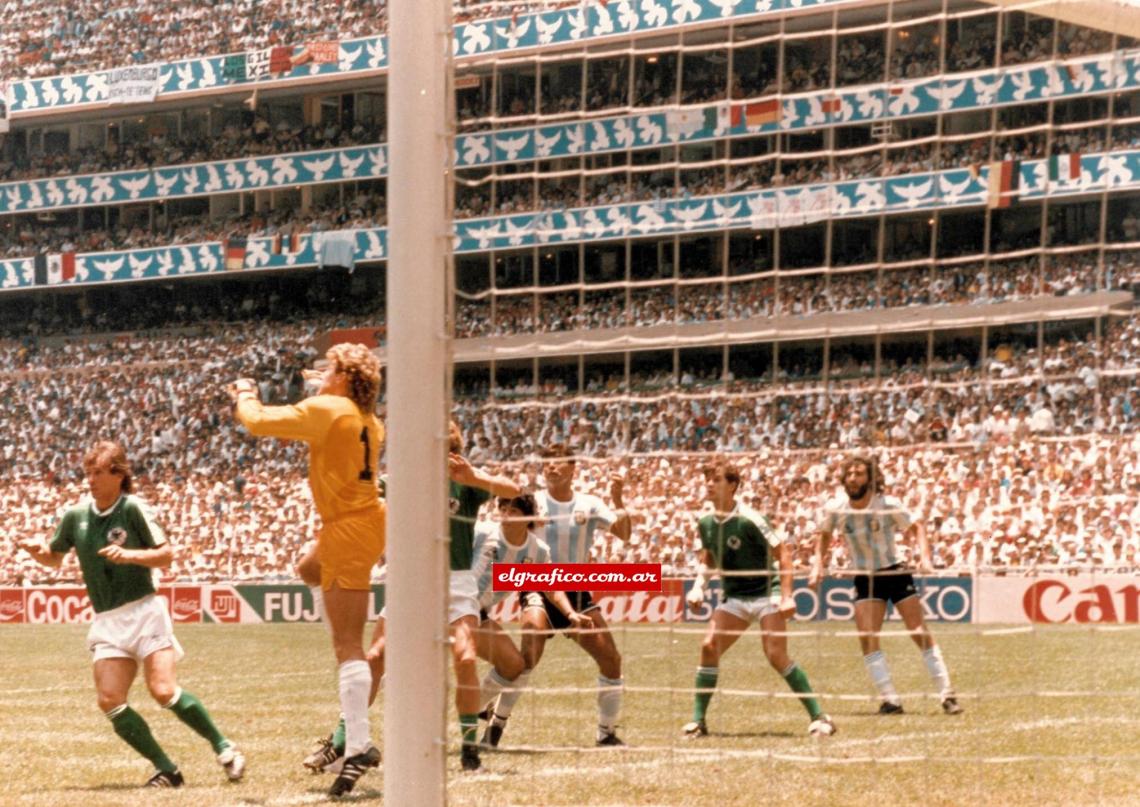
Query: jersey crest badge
column 733, row 542
column 117, row 536
column 579, row 517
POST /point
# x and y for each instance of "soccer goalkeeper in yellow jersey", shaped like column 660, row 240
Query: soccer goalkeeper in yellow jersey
column 345, row 439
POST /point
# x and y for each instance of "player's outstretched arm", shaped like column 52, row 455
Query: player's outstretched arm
column 623, row 525
column 305, row 421
column 819, row 560
column 463, row 472
column 157, row 558
column 41, row 553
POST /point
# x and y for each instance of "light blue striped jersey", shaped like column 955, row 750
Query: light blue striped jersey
column 871, row 532
column 491, row 546
column 570, row 526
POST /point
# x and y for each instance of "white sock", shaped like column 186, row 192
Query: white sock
column 876, row 664
column 609, row 703
column 492, row 685
column 511, row 695
column 319, row 607
column 937, row 668
column 355, row 680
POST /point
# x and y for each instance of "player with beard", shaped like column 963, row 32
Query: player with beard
column 871, row 523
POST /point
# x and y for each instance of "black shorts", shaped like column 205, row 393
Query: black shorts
column 483, row 615
column 581, row 600
column 892, row 584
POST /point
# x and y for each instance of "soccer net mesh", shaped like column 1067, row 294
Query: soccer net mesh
column 781, row 236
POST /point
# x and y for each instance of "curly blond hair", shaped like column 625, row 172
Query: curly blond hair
column 363, row 371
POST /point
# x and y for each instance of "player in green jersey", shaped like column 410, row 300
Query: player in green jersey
column 118, row 544
column 757, row 587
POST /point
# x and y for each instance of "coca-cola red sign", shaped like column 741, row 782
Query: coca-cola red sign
column 11, row 605
column 186, row 604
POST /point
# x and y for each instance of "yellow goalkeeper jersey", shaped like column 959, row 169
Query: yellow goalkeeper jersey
column 344, row 448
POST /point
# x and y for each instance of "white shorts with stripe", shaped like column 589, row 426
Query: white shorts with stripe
column 462, row 597
column 750, row 609
column 133, row 631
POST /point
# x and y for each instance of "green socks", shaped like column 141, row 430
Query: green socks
column 134, row 731
column 798, row 681
column 190, row 711
column 469, row 727
column 706, row 680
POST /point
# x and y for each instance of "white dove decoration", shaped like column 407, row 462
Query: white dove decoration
column 689, row 216
column 475, row 38
column 516, row 233
column 72, row 92
column 139, row 265
column 952, row 192
column 109, row 268
column 513, row 32
column 186, row 264
column 623, row 133
column 208, row 257
column 379, row 159
column 684, row 10
column 234, row 177
column 164, row 182
column 727, row 7
column 605, row 23
column 190, row 180
column 547, row 30
column 101, row 189
column 349, row 167
column 985, row 89
column 256, row 252
column 31, row 100
column 649, row 130
column 946, row 94
column 213, row 179
column 476, row 150
column 348, row 57
column 375, row 248
column 647, row 219
column 574, row 138
column 725, row 214
column 544, row 144
column 577, row 20
column 655, row 15
column 185, row 73
column 11, row 279
column 512, row 145
column 618, row 221
column 134, row 187
column 376, row 53
column 165, row 263
column 319, row 168
column 593, row 225
column 1023, row 84
column 97, row 87
column 54, row 193
column 484, row 235
column 35, row 197
column 601, row 137
column 14, row 197
column 1113, row 171
column 914, row 192
column 869, row 196
column 76, row 192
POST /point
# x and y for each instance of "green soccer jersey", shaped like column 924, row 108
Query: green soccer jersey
column 464, row 504
column 743, row 542
column 127, row 524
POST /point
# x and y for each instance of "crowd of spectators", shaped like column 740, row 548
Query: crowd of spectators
column 1028, row 457
column 797, row 295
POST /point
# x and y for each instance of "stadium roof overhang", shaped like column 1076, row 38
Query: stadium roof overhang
column 1116, row 16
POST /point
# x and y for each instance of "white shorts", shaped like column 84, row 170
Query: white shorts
column 751, row 609
column 134, row 630
column 462, row 597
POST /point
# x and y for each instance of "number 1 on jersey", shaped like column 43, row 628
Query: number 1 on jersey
column 366, row 474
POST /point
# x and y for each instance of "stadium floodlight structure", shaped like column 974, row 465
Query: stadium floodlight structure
column 418, row 385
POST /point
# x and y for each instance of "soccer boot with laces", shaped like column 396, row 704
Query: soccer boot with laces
column 354, row 767
column 951, row 706
column 323, row 753
column 888, row 708
column 469, row 758
column 166, row 779
column 494, row 732
column 695, row 730
column 233, row 763
column 822, row 726
column 608, row 738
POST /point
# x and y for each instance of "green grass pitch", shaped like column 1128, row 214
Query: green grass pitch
column 1022, row 740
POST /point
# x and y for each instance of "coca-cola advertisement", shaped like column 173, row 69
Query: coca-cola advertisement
column 11, row 605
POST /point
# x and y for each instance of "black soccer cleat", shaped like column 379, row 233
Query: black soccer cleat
column 493, row 733
column 469, row 758
column 166, row 779
column 951, row 706
column 888, row 708
column 354, row 767
column 609, row 738
column 323, row 753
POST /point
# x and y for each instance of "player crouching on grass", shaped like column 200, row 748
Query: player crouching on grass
column 736, row 538
column 118, row 545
